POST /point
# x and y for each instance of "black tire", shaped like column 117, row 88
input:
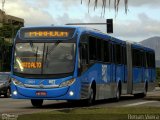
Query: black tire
column 76, row 102
column 8, row 93
column 139, row 95
column 145, row 90
column 72, row 101
column 91, row 99
column 118, row 94
column 37, row 103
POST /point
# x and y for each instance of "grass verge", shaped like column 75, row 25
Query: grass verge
column 115, row 113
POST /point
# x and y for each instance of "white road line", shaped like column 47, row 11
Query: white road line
column 138, row 103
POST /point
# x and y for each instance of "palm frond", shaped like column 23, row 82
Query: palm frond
column 126, row 6
column 109, row 4
column 116, row 5
column 103, row 8
column 88, row 4
column 96, row 2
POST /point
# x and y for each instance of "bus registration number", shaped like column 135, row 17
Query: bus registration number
column 41, row 93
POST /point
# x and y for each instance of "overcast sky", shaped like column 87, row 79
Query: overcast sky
column 142, row 20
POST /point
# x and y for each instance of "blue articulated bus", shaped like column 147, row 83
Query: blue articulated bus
column 76, row 63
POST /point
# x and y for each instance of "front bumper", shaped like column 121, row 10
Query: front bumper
column 64, row 93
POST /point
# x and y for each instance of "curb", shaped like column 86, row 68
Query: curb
column 157, row 88
column 152, row 98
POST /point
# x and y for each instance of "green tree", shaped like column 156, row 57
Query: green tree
column 7, row 31
column 5, row 55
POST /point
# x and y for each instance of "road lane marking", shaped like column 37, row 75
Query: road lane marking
column 139, row 103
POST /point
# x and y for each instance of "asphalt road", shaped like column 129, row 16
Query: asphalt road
column 9, row 105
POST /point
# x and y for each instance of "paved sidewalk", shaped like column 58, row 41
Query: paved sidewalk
column 154, row 95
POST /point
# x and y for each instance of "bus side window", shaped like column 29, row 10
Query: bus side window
column 92, row 49
column 114, row 53
column 153, row 60
column 124, row 57
column 118, row 54
column 84, row 54
column 83, row 60
column 107, row 51
column 143, row 59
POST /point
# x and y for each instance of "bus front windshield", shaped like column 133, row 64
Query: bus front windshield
column 44, row 58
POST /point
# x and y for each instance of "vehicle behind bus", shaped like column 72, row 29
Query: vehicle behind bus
column 5, row 81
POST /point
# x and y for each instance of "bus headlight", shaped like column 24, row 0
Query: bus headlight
column 15, row 93
column 71, row 93
column 67, row 83
column 18, row 83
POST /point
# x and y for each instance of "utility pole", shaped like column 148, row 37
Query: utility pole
column 109, row 25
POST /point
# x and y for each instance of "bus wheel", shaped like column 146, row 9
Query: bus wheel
column 73, row 101
column 91, row 98
column 145, row 90
column 8, row 93
column 142, row 95
column 118, row 94
column 37, row 103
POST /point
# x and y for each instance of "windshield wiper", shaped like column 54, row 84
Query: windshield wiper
column 36, row 54
column 32, row 46
column 43, row 58
column 46, row 60
column 33, row 50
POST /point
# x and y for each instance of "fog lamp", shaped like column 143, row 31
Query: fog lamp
column 14, row 92
column 71, row 93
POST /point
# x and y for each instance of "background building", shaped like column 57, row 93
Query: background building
column 9, row 19
column 9, row 25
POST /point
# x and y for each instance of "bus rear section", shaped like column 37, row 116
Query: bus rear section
column 141, row 70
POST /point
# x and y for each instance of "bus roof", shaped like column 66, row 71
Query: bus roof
column 92, row 31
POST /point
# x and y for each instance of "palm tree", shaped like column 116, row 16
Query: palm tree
column 104, row 3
